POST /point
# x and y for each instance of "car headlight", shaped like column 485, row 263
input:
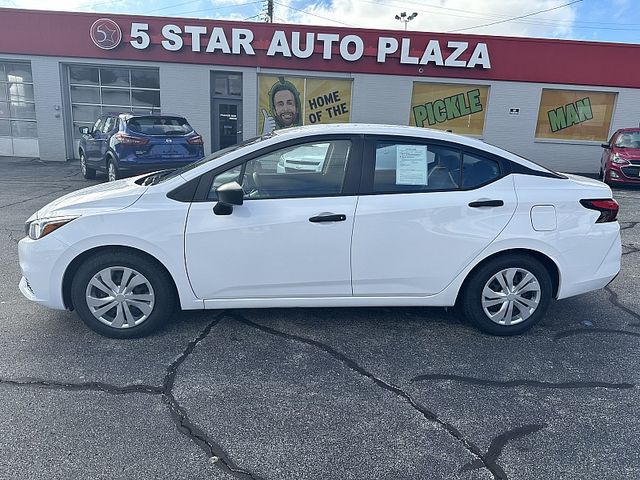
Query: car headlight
column 618, row 161
column 41, row 227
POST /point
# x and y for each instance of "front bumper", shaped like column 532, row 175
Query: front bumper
column 42, row 270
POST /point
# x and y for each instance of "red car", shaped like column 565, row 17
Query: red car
column 621, row 158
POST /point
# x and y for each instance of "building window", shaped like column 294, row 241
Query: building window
column 459, row 108
column 293, row 101
column 96, row 90
column 17, row 104
column 575, row 115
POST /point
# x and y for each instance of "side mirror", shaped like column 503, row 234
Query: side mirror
column 84, row 130
column 229, row 194
column 605, row 145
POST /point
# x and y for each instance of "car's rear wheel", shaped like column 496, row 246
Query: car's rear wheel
column 122, row 295
column 112, row 170
column 88, row 173
column 507, row 295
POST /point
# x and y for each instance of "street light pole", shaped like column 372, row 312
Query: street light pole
column 404, row 18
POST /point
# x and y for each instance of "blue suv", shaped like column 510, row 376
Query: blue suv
column 122, row 144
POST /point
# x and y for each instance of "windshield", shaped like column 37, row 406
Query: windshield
column 211, row 157
column 155, row 125
column 628, row 140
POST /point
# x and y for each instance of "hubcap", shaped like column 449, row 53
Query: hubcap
column 120, row 297
column 83, row 165
column 511, row 296
column 112, row 173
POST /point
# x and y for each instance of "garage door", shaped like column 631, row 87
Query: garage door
column 96, row 90
column 18, row 127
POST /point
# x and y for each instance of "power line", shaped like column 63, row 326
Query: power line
column 515, row 18
column 313, row 14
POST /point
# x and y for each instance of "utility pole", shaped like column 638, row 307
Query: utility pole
column 270, row 11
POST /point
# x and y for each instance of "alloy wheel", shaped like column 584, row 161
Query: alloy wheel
column 112, row 172
column 511, row 296
column 120, row 297
column 83, row 165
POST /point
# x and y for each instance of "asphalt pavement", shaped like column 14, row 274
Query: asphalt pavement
column 334, row 393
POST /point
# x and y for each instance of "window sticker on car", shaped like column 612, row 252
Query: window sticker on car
column 411, row 165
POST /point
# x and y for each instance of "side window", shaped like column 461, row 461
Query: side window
column 478, row 170
column 306, row 170
column 97, row 127
column 108, row 125
column 404, row 167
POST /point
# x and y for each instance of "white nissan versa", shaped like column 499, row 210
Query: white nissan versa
column 395, row 216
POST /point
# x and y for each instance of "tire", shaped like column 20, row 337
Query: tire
column 88, row 173
column 478, row 304
column 112, row 171
column 139, row 292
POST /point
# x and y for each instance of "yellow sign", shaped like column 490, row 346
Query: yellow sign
column 293, row 101
column 459, row 108
column 575, row 115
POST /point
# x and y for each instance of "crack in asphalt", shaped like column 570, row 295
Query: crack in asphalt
column 25, row 200
column 495, row 470
column 632, row 249
column 613, row 299
column 87, row 386
column 580, row 331
column 10, row 235
column 521, row 383
column 629, row 225
column 214, row 452
column 497, row 445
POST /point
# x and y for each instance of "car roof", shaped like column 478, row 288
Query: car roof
column 628, row 130
column 403, row 130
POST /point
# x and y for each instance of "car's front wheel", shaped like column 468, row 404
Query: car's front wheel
column 87, row 172
column 507, row 295
column 122, row 295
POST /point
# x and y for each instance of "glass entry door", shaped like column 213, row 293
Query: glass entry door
column 227, row 123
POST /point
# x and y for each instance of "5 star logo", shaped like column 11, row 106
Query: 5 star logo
column 105, row 33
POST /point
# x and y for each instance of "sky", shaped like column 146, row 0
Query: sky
column 595, row 20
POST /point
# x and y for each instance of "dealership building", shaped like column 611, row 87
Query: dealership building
column 552, row 101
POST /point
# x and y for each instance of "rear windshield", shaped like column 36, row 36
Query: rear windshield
column 159, row 125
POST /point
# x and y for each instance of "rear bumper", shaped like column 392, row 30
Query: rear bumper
column 606, row 272
column 139, row 167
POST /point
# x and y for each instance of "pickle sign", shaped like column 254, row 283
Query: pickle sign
column 329, row 104
column 449, row 108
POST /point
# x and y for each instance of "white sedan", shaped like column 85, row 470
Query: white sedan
column 396, row 216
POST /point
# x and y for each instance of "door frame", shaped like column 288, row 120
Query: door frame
column 215, row 120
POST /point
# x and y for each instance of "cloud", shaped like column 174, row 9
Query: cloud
column 437, row 16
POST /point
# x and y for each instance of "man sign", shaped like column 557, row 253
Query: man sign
column 284, row 105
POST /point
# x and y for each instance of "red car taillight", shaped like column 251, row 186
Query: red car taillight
column 197, row 140
column 608, row 209
column 130, row 140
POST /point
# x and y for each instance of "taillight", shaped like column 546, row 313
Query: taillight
column 130, row 140
column 197, row 140
column 607, row 207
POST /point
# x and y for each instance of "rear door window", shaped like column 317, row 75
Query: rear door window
column 477, row 170
column 406, row 167
column 165, row 126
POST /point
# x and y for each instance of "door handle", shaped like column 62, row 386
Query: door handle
column 328, row 217
column 486, row 203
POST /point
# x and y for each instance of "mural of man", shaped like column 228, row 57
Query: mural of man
column 284, row 103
